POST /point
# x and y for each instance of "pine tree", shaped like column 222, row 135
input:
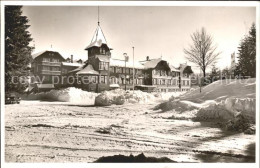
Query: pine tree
column 247, row 55
column 17, row 49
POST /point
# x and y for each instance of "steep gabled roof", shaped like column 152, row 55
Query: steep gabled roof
column 77, row 69
column 42, row 52
column 152, row 63
column 88, row 70
column 98, row 39
column 174, row 69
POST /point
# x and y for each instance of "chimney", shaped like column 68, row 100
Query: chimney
column 71, row 58
column 147, row 58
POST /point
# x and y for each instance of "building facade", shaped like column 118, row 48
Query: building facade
column 101, row 72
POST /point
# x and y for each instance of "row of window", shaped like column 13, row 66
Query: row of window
column 160, row 72
column 103, row 79
column 49, row 68
column 127, row 81
column 172, row 90
column 170, row 82
column 50, row 60
column 164, row 73
column 125, row 70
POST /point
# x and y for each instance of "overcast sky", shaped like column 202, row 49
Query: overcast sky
column 153, row 31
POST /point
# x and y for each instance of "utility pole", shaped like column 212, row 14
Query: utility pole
column 133, row 69
column 125, row 69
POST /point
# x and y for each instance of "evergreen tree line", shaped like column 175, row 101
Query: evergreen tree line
column 247, row 55
column 17, row 48
column 246, row 66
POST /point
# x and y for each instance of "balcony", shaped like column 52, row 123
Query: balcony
column 48, row 72
column 51, row 63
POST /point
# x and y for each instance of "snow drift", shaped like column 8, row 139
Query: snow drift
column 120, row 96
column 106, row 98
column 71, row 94
column 231, row 102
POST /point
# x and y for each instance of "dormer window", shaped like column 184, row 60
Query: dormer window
column 102, row 51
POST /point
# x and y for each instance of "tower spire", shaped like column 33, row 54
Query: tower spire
column 98, row 15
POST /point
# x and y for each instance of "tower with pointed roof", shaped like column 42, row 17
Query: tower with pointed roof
column 99, row 57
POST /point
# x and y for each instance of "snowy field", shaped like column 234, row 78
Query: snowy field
column 74, row 131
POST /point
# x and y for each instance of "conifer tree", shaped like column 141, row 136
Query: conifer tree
column 247, row 55
column 17, row 49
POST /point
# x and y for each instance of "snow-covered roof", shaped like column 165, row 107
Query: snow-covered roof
column 151, row 63
column 71, row 64
column 129, row 64
column 42, row 52
column 88, row 70
column 174, row 69
column 98, row 39
column 103, row 58
column 77, row 69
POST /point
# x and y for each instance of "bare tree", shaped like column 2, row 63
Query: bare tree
column 202, row 52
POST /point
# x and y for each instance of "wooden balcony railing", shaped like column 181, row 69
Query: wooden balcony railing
column 51, row 63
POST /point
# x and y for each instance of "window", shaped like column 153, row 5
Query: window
column 94, row 79
column 55, row 60
column 188, row 83
column 103, row 66
column 154, row 72
column 55, row 69
column 154, row 81
column 46, row 68
column 64, row 71
column 174, row 82
column 46, row 60
column 102, row 51
column 162, row 73
column 131, row 71
column 103, row 79
column 47, row 78
column 163, row 81
column 131, row 81
column 111, row 69
column 140, row 81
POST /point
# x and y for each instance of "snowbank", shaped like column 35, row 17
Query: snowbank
column 120, row 96
column 106, row 98
column 70, row 94
column 214, row 111
column 222, row 89
column 245, row 106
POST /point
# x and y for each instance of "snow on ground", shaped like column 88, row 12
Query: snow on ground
column 118, row 96
column 226, row 100
column 222, row 89
column 71, row 94
column 37, row 131
column 58, row 132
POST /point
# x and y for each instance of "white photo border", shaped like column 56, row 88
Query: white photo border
column 129, row 3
